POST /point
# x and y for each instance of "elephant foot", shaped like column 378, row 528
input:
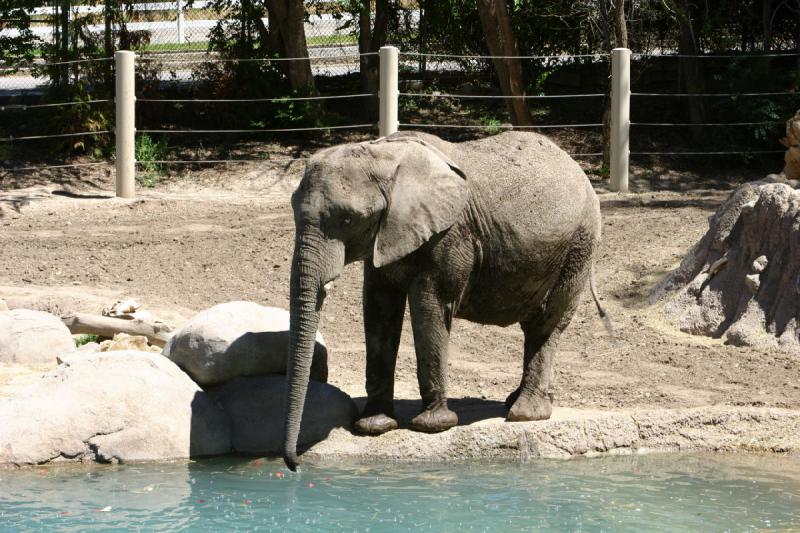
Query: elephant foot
column 434, row 420
column 527, row 407
column 375, row 424
column 512, row 398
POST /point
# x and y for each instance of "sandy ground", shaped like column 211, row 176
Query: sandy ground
column 213, row 237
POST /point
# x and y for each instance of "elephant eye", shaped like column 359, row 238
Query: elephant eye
column 346, row 220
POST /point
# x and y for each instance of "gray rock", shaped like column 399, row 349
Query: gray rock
column 30, row 337
column 752, row 301
column 255, row 407
column 238, row 339
column 111, row 407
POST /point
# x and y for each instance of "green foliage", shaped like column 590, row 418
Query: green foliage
column 86, row 339
column 15, row 20
column 492, row 125
column 148, row 151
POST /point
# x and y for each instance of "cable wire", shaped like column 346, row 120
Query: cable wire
column 55, row 64
column 501, row 126
column 524, row 97
column 259, row 59
column 216, row 161
column 23, row 107
column 723, row 56
column 503, row 57
column 283, row 99
column 54, row 136
column 716, row 94
column 354, row 126
column 74, row 165
column 712, row 153
column 706, row 123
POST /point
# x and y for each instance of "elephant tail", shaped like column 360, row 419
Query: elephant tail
column 600, row 309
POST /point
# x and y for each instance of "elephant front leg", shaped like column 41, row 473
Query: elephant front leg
column 431, row 320
column 384, row 307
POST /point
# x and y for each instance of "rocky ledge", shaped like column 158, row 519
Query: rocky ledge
column 572, row 433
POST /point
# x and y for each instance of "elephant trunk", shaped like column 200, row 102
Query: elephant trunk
column 316, row 262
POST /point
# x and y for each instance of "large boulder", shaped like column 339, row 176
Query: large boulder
column 30, row 337
column 255, row 406
column 238, row 339
column 112, row 407
column 740, row 281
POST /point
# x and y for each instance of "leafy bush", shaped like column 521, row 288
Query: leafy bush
column 147, row 152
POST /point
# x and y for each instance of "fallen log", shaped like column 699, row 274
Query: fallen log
column 80, row 323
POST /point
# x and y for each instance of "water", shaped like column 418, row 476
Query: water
column 638, row 493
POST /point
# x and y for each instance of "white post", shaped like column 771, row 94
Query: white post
column 181, row 36
column 620, row 117
column 125, row 131
column 388, row 92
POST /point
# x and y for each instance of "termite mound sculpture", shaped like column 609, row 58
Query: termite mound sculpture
column 741, row 281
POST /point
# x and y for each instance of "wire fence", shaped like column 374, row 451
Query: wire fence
column 590, row 149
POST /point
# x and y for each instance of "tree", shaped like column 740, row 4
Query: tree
column 496, row 24
column 287, row 19
column 371, row 36
column 690, row 67
column 615, row 35
column 17, row 41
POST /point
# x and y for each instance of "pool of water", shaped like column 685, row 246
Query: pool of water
column 634, row 493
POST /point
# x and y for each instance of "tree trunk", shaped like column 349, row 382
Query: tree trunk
column 615, row 35
column 691, row 68
column 370, row 39
column 80, row 323
column 766, row 23
column 287, row 16
column 496, row 24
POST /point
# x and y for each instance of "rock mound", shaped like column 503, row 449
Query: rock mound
column 112, row 407
column 30, row 337
column 255, row 407
column 741, row 281
column 238, row 339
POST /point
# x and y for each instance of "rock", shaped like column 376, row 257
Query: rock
column 752, row 301
column 238, row 339
column 30, row 337
column 759, row 264
column 123, row 341
column 752, row 282
column 111, row 407
column 255, row 406
column 89, row 347
column 792, row 143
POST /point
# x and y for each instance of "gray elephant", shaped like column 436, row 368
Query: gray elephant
column 496, row 231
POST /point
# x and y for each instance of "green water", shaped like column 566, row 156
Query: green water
column 638, row 493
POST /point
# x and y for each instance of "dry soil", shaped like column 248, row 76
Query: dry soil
column 217, row 235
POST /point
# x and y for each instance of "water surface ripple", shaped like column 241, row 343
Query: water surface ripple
column 634, row 493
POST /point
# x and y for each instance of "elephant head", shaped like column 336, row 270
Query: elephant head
column 375, row 201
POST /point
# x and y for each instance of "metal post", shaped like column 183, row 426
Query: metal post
column 181, row 35
column 125, row 122
column 620, row 117
column 388, row 92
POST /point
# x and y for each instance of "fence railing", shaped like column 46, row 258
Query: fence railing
column 389, row 116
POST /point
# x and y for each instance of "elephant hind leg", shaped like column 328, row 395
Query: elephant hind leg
column 532, row 400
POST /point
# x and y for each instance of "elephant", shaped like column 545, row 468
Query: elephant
column 495, row 231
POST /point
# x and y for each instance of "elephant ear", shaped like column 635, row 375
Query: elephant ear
column 428, row 193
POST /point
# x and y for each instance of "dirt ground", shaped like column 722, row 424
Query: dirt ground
column 212, row 236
